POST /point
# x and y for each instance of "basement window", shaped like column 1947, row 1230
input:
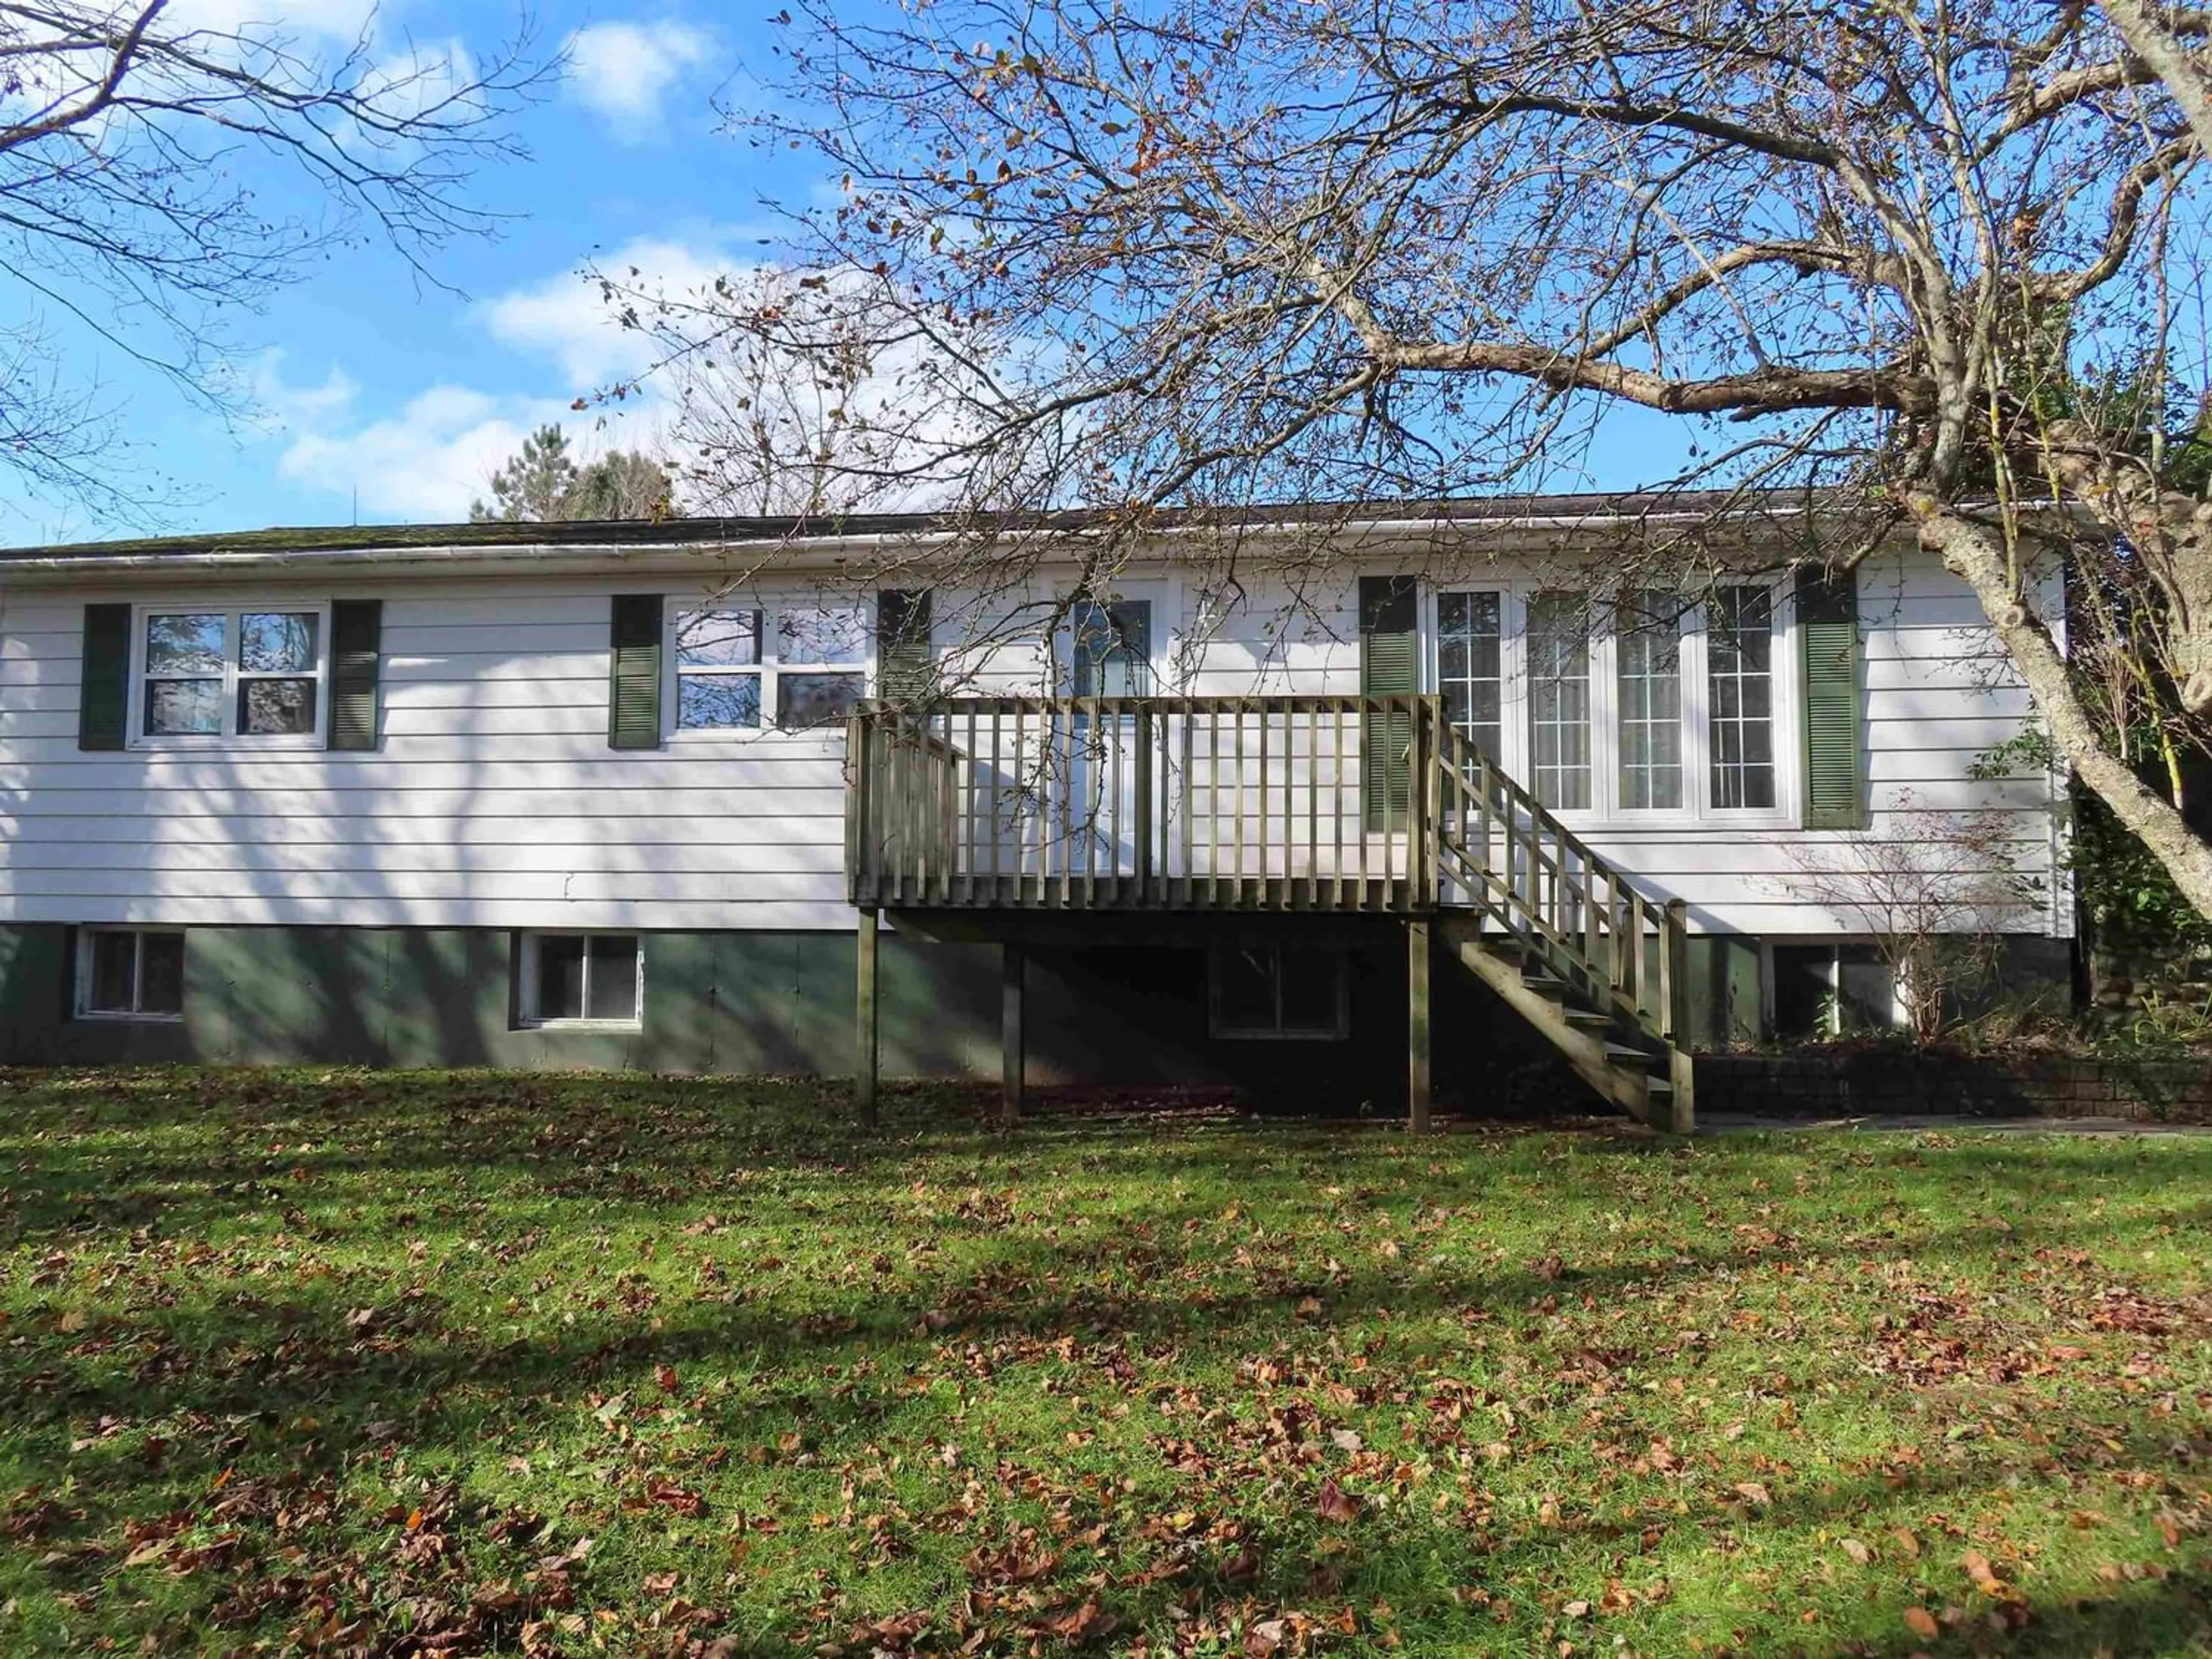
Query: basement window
column 130, row 973
column 1828, row 990
column 1275, row 992
column 581, row 979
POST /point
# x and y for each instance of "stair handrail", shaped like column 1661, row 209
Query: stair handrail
column 1555, row 893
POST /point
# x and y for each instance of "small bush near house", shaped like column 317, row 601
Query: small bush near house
column 474, row 1364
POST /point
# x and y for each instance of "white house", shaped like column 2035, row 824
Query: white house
column 589, row 795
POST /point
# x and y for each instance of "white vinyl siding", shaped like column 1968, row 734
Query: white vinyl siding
column 496, row 802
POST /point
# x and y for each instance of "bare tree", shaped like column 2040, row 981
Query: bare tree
column 1219, row 252
column 145, row 169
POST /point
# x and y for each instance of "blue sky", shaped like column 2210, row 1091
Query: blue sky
column 380, row 398
column 374, row 387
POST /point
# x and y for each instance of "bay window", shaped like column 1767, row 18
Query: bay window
column 1559, row 640
column 1739, row 696
column 1471, row 665
column 1648, row 663
column 1629, row 706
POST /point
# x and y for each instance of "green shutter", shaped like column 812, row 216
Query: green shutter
column 356, row 649
column 1389, row 667
column 906, row 666
column 1828, row 636
column 103, row 700
column 634, row 673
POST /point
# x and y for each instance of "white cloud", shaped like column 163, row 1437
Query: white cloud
column 566, row 320
column 624, row 70
column 428, row 462
column 346, row 20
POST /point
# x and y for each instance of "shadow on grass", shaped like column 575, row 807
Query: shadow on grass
column 145, row 1165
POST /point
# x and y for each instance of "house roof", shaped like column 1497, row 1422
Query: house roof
column 599, row 535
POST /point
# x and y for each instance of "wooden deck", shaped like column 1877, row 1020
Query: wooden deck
column 1292, row 803
column 1301, row 805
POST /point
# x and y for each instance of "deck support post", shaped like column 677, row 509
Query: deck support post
column 1013, row 984
column 1682, row 1068
column 866, row 1024
column 1417, row 1025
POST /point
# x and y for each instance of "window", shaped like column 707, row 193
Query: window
column 581, row 979
column 1740, row 681
column 1647, row 659
column 806, row 663
column 130, row 973
column 1559, row 699
column 1831, row 989
column 717, row 669
column 822, row 661
column 1280, row 991
column 243, row 673
column 1471, row 666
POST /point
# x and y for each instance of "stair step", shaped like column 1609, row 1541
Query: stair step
column 1545, row 986
column 1590, row 1018
column 1621, row 1054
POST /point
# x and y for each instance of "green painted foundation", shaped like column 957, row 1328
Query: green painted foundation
column 1126, row 1014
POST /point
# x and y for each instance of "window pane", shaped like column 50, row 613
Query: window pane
column 161, row 973
column 1310, row 982
column 183, row 706
column 183, row 645
column 1244, row 987
column 266, row 707
column 808, row 700
column 1469, row 671
column 107, row 990
column 1647, row 649
column 821, row 633
column 276, row 643
column 614, row 976
column 717, row 639
column 1739, row 655
column 707, row 701
column 560, row 976
column 1559, row 699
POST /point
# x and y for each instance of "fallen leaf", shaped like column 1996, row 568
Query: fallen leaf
column 1858, row 1552
column 1335, row 1503
column 1922, row 1623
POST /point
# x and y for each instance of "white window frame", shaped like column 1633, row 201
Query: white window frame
column 1605, row 813
column 80, row 1000
column 1218, row 1025
column 230, row 737
column 771, row 664
column 527, row 985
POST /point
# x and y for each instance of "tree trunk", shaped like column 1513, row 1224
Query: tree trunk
column 2179, row 69
column 1971, row 553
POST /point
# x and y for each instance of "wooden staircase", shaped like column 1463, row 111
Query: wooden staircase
column 1562, row 937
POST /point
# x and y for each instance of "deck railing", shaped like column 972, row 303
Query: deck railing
column 1297, row 802
column 1575, row 911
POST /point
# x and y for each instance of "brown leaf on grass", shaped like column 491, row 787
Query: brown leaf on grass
column 1335, row 1503
column 1086, row 1623
column 1263, row 1638
column 667, row 1495
column 1906, row 1541
column 1922, row 1623
column 1858, row 1552
column 1985, row 1576
column 1755, row 1492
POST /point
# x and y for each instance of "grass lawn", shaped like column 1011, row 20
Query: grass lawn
column 460, row 1363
